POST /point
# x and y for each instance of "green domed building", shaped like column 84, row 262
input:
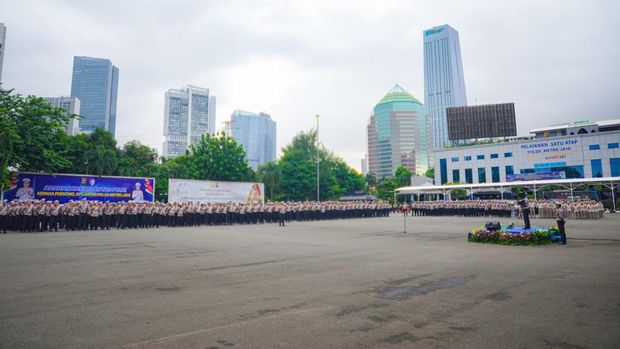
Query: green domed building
column 399, row 135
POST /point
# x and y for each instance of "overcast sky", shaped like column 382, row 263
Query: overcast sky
column 557, row 61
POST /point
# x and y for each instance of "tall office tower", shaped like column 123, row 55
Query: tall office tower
column 257, row 134
column 189, row 113
column 71, row 105
column 444, row 84
column 398, row 135
column 2, row 46
column 95, row 83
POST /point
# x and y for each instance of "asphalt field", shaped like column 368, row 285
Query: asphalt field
column 342, row 284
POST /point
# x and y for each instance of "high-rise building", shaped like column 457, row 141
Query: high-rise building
column 444, row 83
column 95, row 83
column 189, row 113
column 257, row 134
column 72, row 106
column 2, row 46
column 364, row 165
column 398, row 135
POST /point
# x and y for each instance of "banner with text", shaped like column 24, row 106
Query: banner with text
column 186, row 190
column 537, row 176
column 62, row 187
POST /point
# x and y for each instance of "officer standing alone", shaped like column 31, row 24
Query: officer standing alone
column 560, row 219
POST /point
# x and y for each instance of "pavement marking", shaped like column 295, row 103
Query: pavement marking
column 156, row 341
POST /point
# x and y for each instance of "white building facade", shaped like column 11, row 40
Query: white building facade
column 189, row 113
column 2, row 46
column 584, row 155
column 72, row 106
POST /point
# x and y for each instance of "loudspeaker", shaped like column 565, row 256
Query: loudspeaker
column 493, row 226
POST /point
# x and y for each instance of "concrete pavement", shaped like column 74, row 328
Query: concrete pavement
column 342, row 284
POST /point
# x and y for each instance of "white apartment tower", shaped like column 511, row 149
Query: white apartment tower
column 2, row 48
column 72, row 106
column 189, row 113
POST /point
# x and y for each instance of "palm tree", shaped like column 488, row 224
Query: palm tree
column 271, row 175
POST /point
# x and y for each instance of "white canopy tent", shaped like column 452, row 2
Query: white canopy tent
column 535, row 186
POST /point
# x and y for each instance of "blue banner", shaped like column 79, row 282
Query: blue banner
column 64, row 188
column 537, row 176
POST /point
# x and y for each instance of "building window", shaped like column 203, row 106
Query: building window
column 597, row 167
column 595, row 147
column 480, row 157
column 612, row 146
column 507, row 155
column 495, row 174
column 443, row 171
column 456, row 176
column 455, row 159
column 467, row 157
column 482, row 175
column 469, row 178
column 494, row 156
column 614, row 163
column 510, row 170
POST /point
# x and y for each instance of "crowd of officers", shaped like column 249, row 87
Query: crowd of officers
column 36, row 216
column 577, row 209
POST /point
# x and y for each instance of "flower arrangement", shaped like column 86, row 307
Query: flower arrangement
column 540, row 236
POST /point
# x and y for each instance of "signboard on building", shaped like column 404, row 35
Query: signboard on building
column 64, row 187
column 519, row 177
column 481, row 121
column 186, row 190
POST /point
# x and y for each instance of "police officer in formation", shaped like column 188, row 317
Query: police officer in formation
column 36, row 216
column 577, row 209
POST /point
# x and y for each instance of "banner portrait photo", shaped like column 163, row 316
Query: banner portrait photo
column 64, row 188
column 185, row 190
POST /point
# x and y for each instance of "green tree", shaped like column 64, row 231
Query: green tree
column 385, row 189
column 298, row 175
column 457, row 194
column 31, row 134
column 371, row 180
column 270, row 174
column 137, row 160
column 430, row 173
column 77, row 150
column 219, row 158
column 402, row 176
column 102, row 155
column 298, row 166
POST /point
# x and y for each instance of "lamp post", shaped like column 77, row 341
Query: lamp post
column 318, row 159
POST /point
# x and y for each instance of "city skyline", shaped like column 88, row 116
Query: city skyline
column 296, row 69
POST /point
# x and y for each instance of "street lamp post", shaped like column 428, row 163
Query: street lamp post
column 318, row 159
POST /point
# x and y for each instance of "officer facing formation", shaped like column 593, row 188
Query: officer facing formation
column 34, row 216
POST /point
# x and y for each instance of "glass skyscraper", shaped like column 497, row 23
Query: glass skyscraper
column 189, row 113
column 95, row 83
column 257, row 134
column 398, row 135
column 444, row 83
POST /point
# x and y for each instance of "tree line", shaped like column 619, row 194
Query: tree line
column 33, row 139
